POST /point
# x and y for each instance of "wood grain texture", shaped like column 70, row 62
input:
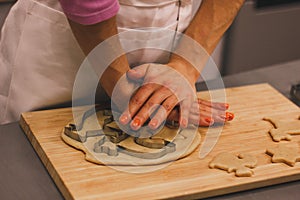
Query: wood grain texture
column 186, row 178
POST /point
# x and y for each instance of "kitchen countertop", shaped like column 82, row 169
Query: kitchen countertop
column 23, row 176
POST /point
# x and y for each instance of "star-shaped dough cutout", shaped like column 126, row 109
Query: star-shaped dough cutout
column 283, row 129
column 285, row 153
column 240, row 164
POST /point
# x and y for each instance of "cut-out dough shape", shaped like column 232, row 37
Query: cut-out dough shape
column 240, row 164
column 283, row 129
column 284, row 153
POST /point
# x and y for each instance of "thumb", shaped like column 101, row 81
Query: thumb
column 138, row 72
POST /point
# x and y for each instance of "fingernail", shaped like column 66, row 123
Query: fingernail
column 124, row 119
column 226, row 105
column 209, row 120
column 136, row 123
column 229, row 116
column 153, row 123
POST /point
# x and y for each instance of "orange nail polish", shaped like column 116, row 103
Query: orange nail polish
column 229, row 116
column 208, row 120
column 136, row 122
column 226, row 105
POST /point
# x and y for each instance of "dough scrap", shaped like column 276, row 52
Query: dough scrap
column 283, row 129
column 109, row 146
column 240, row 164
column 285, row 153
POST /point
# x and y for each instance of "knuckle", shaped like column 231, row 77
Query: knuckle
column 167, row 106
column 150, row 103
column 165, row 89
column 137, row 101
column 146, row 87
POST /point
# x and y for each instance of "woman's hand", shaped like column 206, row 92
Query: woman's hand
column 162, row 85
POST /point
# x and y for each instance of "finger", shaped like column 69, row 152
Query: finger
column 125, row 118
column 217, row 105
column 199, row 108
column 137, row 72
column 208, row 115
column 163, row 111
column 202, row 114
column 140, row 97
column 174, row 115
column 185, row 106
column 216, row 118
column 202, row 121
column 217, row 115
column 136, row 102
column 149, row 108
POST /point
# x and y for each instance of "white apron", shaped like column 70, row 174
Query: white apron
column 39, row 56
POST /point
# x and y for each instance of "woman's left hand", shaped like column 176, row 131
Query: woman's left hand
column 162, row 85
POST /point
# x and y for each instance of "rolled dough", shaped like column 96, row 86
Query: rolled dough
column 102, row 147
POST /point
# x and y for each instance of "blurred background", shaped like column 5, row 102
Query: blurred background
column 266, row 32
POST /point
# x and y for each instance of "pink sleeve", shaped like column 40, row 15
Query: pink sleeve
column 89, row 11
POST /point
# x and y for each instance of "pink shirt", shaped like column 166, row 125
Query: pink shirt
column 89, row 11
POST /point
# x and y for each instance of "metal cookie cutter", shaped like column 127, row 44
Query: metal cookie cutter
column 111, row 144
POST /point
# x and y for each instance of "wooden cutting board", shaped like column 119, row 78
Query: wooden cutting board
column 186, row 178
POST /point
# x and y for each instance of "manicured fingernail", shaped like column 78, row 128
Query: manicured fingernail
column 136, row 123
column 209, row 120
column 226, row 105
column 153, row 123
column 124, row 119
column 229, row 116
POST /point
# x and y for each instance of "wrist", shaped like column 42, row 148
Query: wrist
column 113, row 73
column 184, row 68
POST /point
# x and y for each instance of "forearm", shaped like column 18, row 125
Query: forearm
column 207, row 28
column 89, row 36
column 212, row 20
